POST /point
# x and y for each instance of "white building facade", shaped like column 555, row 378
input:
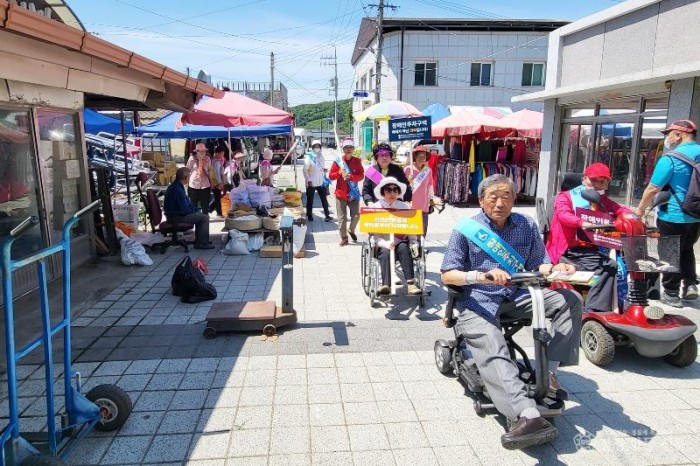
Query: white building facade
column 452, row 62
column 614, row 80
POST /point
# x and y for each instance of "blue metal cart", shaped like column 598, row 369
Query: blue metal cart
column 105, row 407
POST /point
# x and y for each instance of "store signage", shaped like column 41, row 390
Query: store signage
column 360, row 94
column 402, row 129
column 387, row 221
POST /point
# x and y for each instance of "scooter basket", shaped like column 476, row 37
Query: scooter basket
column 650, row 254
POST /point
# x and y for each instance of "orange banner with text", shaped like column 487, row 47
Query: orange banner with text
column 387, row 221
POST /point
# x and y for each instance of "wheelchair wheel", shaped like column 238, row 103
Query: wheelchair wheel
column 365, row 267
column 375, row 281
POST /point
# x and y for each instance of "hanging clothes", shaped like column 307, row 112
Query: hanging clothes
column 453, row 181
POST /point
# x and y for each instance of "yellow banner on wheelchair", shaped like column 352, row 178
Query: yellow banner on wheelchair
column 387, row 221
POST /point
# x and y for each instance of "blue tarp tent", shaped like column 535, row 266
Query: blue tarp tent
column 166, row 128
column 96, row 122
column 436, row 111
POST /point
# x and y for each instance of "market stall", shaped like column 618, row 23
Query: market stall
column 479, row 145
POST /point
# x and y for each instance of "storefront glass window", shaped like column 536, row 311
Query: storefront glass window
column 614, row 148
column 61, row 169
column 658, row 104
column 577, row 145
column 576, row 111
column 651, row 146
column 619, row 107
column 19, row 186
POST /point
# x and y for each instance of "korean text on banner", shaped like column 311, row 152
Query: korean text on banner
column 596, row 237
column 402, row 129
column 388, row 221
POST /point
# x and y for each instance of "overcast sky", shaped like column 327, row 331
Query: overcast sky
column 232, row 39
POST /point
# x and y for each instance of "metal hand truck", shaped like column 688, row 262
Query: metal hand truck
column 105, row 407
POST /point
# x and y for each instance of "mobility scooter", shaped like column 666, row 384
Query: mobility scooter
column 634, row 323
column 454, row 356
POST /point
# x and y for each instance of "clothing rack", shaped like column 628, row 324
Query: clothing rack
column 453, row 181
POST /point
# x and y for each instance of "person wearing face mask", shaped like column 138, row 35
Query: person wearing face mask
column 315, row 177
column 381, row 169
column 563, row 243
column 199, row 187
column 672, row 173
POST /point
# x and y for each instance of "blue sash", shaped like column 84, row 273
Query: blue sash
column 354, row 190
column 326, row 180
column 577, row 200
column 492, row 244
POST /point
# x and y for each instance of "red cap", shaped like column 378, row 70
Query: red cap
column 421, row 148
column 684, row 126
column 597, row 170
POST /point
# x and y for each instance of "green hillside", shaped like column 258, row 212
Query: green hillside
column 311, row 115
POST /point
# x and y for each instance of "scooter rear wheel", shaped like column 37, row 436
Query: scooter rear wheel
column 597, row 343
column 685, row 354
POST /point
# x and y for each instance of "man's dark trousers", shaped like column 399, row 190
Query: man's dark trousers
column 689, row 233
column 600, row 296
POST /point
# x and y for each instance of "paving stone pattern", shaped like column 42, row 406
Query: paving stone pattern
column 348, row 385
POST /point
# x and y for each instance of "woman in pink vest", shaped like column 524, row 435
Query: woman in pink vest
column 420, row 176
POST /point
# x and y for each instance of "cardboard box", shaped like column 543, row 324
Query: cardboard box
column 155, row 158
column 275, row 251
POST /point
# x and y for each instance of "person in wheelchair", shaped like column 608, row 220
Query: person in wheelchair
column 564, row 244
column 388, row 192
column 481, row 253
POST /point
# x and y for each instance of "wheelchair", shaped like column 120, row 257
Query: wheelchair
column 372, row 273
column 455, row 357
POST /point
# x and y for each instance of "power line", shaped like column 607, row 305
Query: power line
column 309, row 28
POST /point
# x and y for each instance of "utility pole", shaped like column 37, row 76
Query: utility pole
column 378, row 66
column 272, row 79
column 333, row 61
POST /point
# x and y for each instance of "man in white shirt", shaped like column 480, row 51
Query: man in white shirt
column 315, row 176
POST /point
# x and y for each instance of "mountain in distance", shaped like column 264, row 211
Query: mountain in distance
column 311, row 116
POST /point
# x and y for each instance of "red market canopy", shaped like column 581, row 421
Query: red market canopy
column 468, row 122
column 527, row 122
column 236, row 110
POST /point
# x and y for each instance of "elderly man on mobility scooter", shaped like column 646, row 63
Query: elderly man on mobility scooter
column 567, row 241
column 481, row 254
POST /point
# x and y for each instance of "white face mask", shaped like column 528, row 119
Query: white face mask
column 668, row 145
column 316, row 150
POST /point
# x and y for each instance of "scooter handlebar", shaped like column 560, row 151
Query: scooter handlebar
column 23, row 227
column 88, row 208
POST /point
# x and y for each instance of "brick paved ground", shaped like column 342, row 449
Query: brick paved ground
column 348, row 384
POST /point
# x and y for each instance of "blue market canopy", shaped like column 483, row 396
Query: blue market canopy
column 166, row 128
column 97, row 122
column 436, row 112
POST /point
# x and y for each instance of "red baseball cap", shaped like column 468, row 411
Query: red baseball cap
column 597, row 170
column 684, row 126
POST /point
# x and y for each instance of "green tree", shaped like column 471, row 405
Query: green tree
column 311, row 115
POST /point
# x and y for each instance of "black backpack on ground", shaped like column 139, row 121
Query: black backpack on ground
column 691, row 203
column 189, row 283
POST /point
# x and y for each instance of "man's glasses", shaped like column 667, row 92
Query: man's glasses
column 392, row 190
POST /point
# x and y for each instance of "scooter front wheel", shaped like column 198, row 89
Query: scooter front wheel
column 597, row 343
column 685, row 354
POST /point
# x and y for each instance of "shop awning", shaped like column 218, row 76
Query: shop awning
column 528, row 123
column 468, row 122
column 236, row 110
column 166, row 128
column 35, row 49
column 436, row 112
column 97, row 122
